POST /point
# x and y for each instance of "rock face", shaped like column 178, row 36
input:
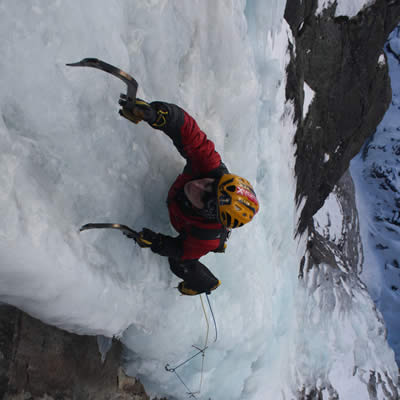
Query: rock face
column 330, row 271
column 337, row 58
column 342, row 62
column 347, row 248
column 376, row 173
column 38, row 361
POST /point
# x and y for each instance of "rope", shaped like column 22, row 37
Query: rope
column 212, row 314
column 201, row 351
column 205, row 343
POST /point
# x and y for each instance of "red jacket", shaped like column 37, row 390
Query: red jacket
column 202, row 162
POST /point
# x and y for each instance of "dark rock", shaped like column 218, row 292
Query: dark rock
column 380, row 246
column 8, row 320
column 39, row 361
column 338, row 58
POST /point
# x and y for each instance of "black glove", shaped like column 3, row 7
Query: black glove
column 163, row 245
column 147, row 238
column 141, row 111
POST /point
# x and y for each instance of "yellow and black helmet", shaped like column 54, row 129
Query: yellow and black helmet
column 237, row 201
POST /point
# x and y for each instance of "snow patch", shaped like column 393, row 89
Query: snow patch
column 344, row 7
column 308, row 98
column 328, row 221
column 381, row 60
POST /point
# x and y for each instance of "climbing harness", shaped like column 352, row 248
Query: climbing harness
column 201, row 351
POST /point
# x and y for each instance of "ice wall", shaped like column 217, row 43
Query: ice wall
column 67, row 158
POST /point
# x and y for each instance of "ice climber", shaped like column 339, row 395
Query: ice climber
column 205, row 202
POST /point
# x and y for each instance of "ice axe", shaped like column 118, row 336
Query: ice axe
column 123, row 228
column 99, row 64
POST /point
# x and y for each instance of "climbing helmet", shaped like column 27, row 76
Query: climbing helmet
column 237, row 201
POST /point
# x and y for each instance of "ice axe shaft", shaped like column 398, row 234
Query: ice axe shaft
column 125, row 229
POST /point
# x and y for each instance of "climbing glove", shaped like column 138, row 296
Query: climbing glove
column 141, row 111
column 147, row 238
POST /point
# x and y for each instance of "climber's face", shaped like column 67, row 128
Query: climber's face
column 198, row 190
